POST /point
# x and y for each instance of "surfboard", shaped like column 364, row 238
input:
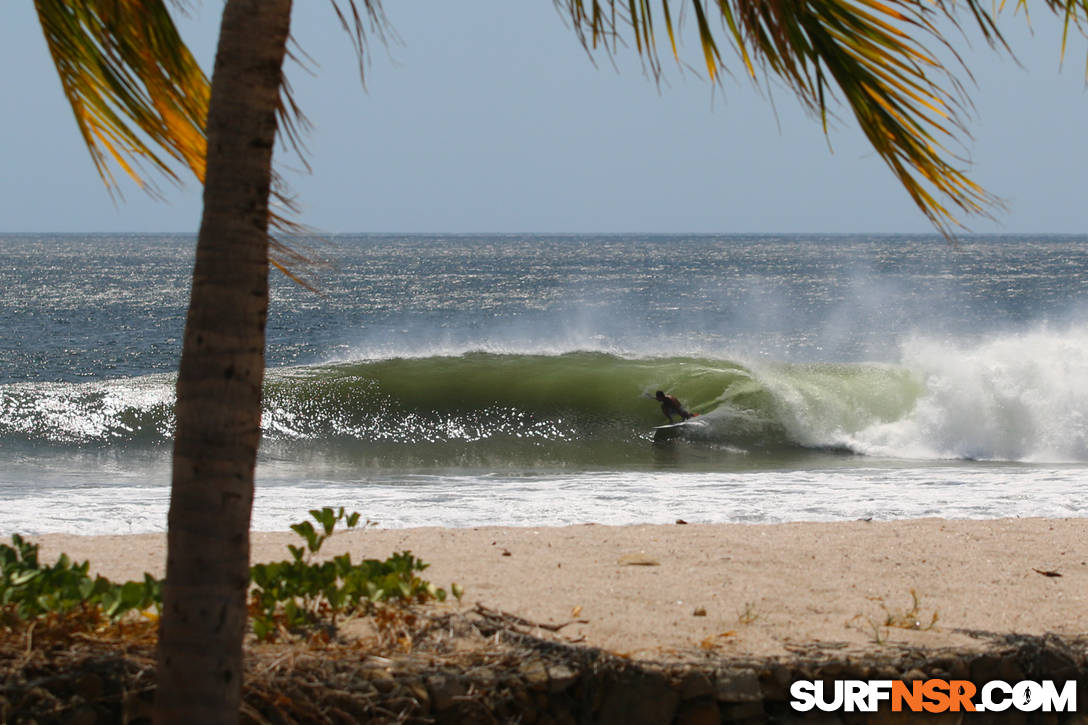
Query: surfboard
column 681, row 424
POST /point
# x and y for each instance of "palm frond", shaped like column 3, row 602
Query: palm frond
column 358, row 24
column 288, row 252
column 1074, row 15
column 881, row 57
column 133, row 85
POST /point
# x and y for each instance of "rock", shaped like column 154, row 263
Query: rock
column 958, row 669
column 985, row 668
column 884, row 672
column 703, row 711
column 560, row 677
column 832, row 671
column 855, row 669
column 695, row 684
column 994, row 667
column 1011, row 671
column 444, row 691
column 737, row 686
column 535, row 675
column 775, row 683
column 638, row 698
column 913, row 674
column 1058, row 661
column 743, row 711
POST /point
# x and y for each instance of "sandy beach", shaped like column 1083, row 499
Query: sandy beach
column 750, row 590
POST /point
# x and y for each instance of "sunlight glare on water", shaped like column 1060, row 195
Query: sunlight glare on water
column 468, row 380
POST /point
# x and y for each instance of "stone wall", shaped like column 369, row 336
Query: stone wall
column 515, row 678
column 550, row 684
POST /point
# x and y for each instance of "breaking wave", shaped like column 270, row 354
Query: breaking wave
column 1018, row 397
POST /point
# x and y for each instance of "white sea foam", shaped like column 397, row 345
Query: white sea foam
column 964, row 490
column 84, row 434
column 1013, row 397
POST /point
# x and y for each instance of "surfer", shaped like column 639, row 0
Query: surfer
column 671, row 406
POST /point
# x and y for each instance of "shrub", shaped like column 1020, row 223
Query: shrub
column 29, row 590
column 285, row 597
column 301, row 593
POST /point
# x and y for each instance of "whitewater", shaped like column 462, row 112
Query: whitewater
column 478, row 380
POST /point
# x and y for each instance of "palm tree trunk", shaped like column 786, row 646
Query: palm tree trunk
column 220, row 378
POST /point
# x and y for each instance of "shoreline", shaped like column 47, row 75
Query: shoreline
column 743, row 590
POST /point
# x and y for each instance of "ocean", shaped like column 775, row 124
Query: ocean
column 468, row 380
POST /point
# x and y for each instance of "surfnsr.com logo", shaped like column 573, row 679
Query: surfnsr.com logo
column 933, row 696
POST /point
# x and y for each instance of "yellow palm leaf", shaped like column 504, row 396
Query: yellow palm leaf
column 134, row 87
column 876, row 53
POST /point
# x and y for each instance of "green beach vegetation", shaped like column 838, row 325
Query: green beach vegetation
column 140, row 98
column 30, row 589
column 295, row 597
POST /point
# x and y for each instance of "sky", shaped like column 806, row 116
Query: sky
column 489, row 117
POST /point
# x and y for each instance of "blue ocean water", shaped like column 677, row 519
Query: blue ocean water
column 463, row 380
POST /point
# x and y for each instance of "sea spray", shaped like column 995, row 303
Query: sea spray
column 1014, row 397
column 821, row 364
